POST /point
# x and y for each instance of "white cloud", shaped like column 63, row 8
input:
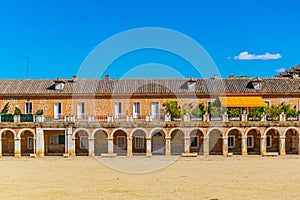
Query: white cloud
column 267, row 56
column 280, row 70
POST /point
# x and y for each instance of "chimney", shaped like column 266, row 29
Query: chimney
column 107, row 77
column 215, row 76
column 231, row 76
column 74, row 78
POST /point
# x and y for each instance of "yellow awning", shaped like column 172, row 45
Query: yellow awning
column 241, row 102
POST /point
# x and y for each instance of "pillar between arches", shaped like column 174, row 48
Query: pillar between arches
column 225, row 146
column 244, row 145
column 206, row 146
column 91, row 146
column 148, row 147
column 282, row 145
column 168, row 146
column 187, row 143
column 129, row 146
column 263, row 145
column 0, row 147
column 110, row 145
column 17, row 147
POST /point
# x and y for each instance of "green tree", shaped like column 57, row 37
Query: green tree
column 198, row 111
column 17, row 111
column 5, row 109
column 173, row 108
column 257, row 112
column 39, row 112
column 214, row 111
column 234, row 112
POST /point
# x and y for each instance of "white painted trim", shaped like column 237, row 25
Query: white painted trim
column 231, row 136
column 270, row 136
column 139, row 137
column 250, row 136
column 118, row 141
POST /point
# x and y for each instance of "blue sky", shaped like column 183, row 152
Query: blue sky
column 58, row 35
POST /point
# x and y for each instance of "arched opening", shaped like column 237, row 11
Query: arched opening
column 27, row 143
column 215, row 142
column 235, row 142
column 139, row 142
column 177, row 142
column 8, row 143
column 101, row 143
column 158, row 143
column 272, row 141
column 196, row 142
column 253, row 142
column 291, row 141
column 120, row 143
column 81, row 143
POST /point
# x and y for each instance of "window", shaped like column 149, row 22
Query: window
column 57, row 139
column 139, row 142
column 155, row 110
column 191, row 86
column 121, row 141
column 118, row 110
column 28, row 107
column 80, row 110
column 231, row 141
column 269, row 141
column 194, row 141
column 30, row 143
column 84, row 142
column 57, row 110
column 256, row 85
column 136, row 110
column 250, row 141
column 268, row 103
column 59, row 86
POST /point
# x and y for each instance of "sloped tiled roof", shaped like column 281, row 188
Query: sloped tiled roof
column 148, row 86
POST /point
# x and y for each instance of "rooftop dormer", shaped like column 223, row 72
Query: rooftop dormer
column 191, row 82
column 59, row 84
column 257, row 84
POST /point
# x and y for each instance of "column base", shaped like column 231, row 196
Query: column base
column 17, row 154
column 148, row 154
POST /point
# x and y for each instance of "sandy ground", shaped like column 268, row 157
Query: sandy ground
column 248, row 177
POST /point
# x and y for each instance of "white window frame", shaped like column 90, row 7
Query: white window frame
column 252, row 141
column 58, row 115
column 80, row 114
column 30, row 141
column 269, row 136
column 136, row 110
column 191, row 141
column 84, row 142
column 155, row 114
column 141, row 142
column 233, row 145
column 118, row 110
column 124, row 139
column 26, row 107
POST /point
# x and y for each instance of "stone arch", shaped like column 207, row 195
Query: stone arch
column 120, row 129
column 100, row 136
column 81, row 137
column 158, row 141
column 291, row 135
column 272, row 135
column 7, row 137
column 25, row 129
column 8, row 129
column 27, row 141
column 100, row 129
column 139, row 140
column 253, row 141
column 177, row 136
column 158, row 130
column 234, row 135
column 196, row 140
column 81, row 129
column 215, row 141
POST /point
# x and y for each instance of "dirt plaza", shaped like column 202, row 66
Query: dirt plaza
column 212, row 177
